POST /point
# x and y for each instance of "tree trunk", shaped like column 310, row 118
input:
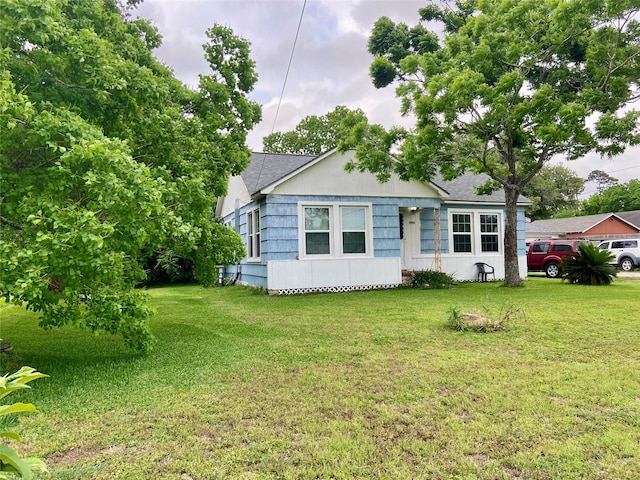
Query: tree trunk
column 511, row 267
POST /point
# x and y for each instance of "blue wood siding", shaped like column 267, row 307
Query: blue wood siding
column 386, row 230
column 254, row 274
column 279, row 223
column 522, row 241
column 427, row 231
column 279, row 229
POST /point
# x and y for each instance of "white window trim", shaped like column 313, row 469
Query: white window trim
column 335, row 230
column 476, row 234
column 250, row 238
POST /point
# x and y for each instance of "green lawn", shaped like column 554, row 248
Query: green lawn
column 358, row 385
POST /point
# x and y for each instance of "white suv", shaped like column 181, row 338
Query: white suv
column 626, row 250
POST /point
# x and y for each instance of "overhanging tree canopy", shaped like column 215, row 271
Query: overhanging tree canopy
column 554, row 189
column 313, row 135
column 512, row 85
column 105, row 155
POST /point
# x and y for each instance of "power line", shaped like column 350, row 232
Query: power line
column 284, row 85
column 286, row 76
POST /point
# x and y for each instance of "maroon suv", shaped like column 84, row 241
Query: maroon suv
column 545, row 255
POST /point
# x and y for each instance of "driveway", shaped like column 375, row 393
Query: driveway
column 634, row 274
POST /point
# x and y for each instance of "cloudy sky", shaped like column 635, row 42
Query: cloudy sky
column 330, row 63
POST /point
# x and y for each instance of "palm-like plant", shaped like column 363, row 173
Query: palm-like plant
column 589, row 266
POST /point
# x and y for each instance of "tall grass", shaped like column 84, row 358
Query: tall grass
column 358, row 385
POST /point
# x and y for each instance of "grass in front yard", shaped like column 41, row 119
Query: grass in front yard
column 358, row 385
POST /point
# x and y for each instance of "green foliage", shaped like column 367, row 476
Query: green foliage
column 391, row 43
column 105, row 155
column 430, row 279
column 589, row 266
column 11, row 464
column 452, row 19
column 616, row 198
column 313, row 135
column 165, row 267
column 554, row 189
column 602, row 179
column 512, row 85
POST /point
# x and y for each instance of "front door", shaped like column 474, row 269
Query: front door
column 409, row 237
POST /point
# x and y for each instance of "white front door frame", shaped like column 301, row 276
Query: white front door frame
column 410, row 241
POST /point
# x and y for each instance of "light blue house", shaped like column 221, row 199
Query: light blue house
column 310, row 226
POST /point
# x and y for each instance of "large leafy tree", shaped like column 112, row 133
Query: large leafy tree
column 105, row 156
column 603, row 179
column 313, row 135
column 512, row 85
column 617, row 198
column 554, row 189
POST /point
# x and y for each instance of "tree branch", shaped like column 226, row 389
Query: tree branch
column 6, row 221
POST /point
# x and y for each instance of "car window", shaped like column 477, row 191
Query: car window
column 561, row 247
column 631, row 244
column 540, row 247
column 617, row 244
column 604, row 246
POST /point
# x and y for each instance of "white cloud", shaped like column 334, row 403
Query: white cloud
column 330, row 64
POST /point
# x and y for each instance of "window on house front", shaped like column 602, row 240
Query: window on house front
column 336, row 230
column 354, row 230
column 489, row 233
column 461, row 232
column 476, row 232
column 317, row 234
column 253, row 234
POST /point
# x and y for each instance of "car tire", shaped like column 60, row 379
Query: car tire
column 626, row 264
column 552, row 270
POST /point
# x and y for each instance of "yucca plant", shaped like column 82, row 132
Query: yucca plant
column 589, row 266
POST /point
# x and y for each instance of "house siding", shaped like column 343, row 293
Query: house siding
column 610, row 227
column 280, row 234
column 280, row 230
column 428, row 233
column 386, row 230
column 279, row 239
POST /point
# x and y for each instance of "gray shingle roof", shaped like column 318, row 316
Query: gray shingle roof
column 576, row 224
column 566, row 225
column 633, row 217
column 462, row 189
column 268, row 168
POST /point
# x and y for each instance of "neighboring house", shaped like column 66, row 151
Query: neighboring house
column 310, row 226
column 595, row 228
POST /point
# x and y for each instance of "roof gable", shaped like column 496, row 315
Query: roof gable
column 572, row 225
column 326, row 175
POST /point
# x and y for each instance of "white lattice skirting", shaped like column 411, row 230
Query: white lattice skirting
column 339, row 289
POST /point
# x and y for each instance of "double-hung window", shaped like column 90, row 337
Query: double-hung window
column 335, row 230
column 253, row 234
column 461, row 223
column 489, row 232
column 473, row 232
column 354, row 230
column 317, row 232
